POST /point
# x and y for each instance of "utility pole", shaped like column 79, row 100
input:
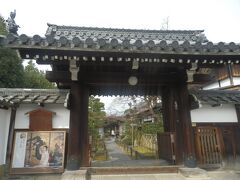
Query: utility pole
column 165, row 24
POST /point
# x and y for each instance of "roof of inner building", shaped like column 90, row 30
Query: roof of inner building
column 217, row 97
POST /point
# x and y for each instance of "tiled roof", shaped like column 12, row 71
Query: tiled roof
column 83, row 33
column 92, row 44
column 216, row 97
column 9, row 97
column 51, row 48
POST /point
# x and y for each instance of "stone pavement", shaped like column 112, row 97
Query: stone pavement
column 224, row 175
column 214, row 175
column 119, row 158
column 139, row 177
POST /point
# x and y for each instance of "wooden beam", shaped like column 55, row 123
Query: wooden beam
column 78, row 140
column 112, row 78
column 201, row 78
column 113, row 62
column 125, row 90
column 126, row 54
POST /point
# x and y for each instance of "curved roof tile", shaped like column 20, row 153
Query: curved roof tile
column 109, row 33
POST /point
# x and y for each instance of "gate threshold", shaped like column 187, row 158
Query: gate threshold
column 132, row 170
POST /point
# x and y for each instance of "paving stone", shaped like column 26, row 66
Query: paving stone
column 224, row 175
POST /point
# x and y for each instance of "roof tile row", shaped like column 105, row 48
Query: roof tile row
column 116, row 44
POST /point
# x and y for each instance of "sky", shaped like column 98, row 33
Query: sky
column 218, row 18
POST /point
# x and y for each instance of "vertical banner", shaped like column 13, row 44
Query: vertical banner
column 19, row 150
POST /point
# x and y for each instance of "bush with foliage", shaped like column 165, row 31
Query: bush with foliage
column 152, row 128
column 96, row 118
column 34, row 78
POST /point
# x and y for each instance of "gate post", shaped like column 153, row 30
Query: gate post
column 78, row 140
column 169, row 118
column 185, row 121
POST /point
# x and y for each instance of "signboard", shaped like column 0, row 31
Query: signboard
column 38, row 152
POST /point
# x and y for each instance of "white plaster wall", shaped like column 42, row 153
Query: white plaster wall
column 220, row 114
column 62, row 117
column 4, row 127
column 60, row 120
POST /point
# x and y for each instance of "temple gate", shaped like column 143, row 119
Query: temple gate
column 101, row 61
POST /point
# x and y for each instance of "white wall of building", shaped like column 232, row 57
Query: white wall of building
column 60, row 120
column 62, row 117
column 219, row 114
column 4, row 127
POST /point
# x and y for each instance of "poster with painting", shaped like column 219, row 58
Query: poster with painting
column 38, row 152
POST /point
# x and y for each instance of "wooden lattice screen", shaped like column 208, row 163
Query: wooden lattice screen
column 167, row 146
column 209, row 146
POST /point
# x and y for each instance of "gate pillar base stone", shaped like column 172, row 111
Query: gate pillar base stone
column 194, row 173
column 75, row 175
column 73, row 163
column 190, row 162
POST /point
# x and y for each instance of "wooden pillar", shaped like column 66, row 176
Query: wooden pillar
column 237, row 108
column 169, row 119
column 187, row 131
column 11, row 134
column 78, row 139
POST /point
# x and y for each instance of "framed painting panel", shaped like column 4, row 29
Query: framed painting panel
column 38, row 152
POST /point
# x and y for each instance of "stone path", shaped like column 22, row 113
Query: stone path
column 118, row 158
column 115, row 153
